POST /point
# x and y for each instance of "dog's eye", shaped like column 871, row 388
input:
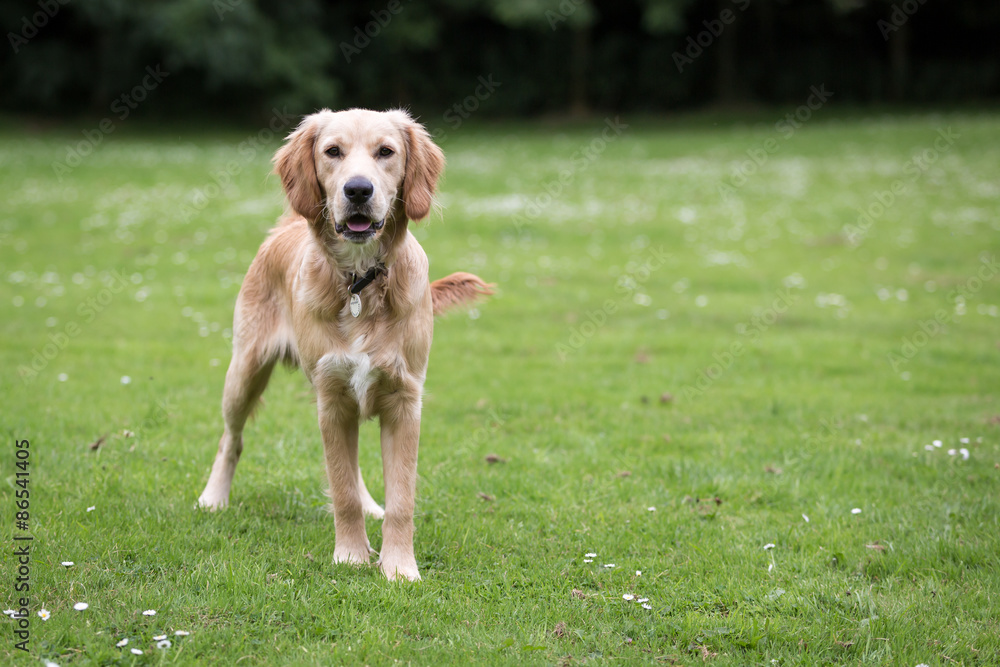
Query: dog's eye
column 385, row 151
column 333, row 151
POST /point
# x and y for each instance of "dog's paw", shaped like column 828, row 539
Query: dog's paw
column 405, row 571
column 212, row 502
column 359, row 555
column 373, row 509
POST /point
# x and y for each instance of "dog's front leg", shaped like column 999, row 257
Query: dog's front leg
column 400, row 441
column 340, row 445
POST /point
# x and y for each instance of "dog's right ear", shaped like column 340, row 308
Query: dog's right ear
column 295, row 164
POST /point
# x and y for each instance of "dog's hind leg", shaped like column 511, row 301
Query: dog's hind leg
column 246, row 379
column 368, row 504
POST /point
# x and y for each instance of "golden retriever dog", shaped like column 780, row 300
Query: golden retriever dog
column 340, row 288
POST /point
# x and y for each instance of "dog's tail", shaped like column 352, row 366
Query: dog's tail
column 458, row 289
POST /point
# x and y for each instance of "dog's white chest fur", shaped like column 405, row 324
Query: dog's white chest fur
column 355, row 371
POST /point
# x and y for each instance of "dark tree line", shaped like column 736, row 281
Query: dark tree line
column 244, row 57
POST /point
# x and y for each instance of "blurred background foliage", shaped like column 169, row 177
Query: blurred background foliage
column 244, row 57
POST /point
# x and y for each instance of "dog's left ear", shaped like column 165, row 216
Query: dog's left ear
column 424, row 165
column 296, row 165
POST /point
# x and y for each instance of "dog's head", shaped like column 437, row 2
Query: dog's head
column 358, row 175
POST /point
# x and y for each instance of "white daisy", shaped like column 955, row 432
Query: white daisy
column 163, row 643
column 628, row 597
column 952, row 452
column 965, row 453
column 647, row 606
column 44, row 614
column 182, row 633
column 149, row 612
column 123, row 642
column 49, row 663
column 643, row 600
column 590, row 555
column 126, row 379
column 136, row 651
column 67, row 563
column 609, row 565
column 159, row 638
column 80, row 606
column 588, row 560
column 768, row 546
column 806, row 518
column 638, row 573
column 650, row 509
column 938, row 443
column 964, row 441
column 92, row 508
column 856, row 510
column 10, row 612
column 929, row 448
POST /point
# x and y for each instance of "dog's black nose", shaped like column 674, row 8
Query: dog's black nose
column 359, row 190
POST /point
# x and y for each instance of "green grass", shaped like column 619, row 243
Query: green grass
column 811, row 416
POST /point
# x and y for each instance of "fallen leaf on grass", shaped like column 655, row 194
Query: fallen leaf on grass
column 875, row 546
column 96, row 444
column 309, row 556
column 773, row 470
column 560, row 629
column 844, row 644
column 493, row 458
column 624, row 473
column 696, row 501
column 487, row 497
column 706, row 654
column 580, row 595
column 666, row 397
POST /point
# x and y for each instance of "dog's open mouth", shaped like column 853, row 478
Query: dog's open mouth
column 359, row 228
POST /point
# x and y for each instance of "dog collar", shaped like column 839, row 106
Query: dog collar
column 358, row 284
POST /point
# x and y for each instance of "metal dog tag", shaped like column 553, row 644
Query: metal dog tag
column 355, row 305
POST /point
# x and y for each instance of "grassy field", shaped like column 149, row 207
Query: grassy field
column 703, row 366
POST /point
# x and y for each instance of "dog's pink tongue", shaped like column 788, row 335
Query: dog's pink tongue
column 358, row 226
